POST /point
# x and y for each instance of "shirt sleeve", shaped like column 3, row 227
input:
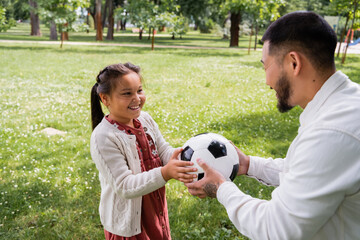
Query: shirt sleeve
column 266, row 170
column 321, row 172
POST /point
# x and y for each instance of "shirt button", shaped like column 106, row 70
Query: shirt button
column 144, row 149
column 139, row 133
column 161, row 213
column 163, row 226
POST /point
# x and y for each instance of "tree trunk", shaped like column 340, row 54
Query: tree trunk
column 64, row 34
column 34, row 19
column 87, row 22
column 92, row 14
column 153, row 39
column 352, row 25
column 123, row 25
column 53, row 32
column 251, row 33
column 99, row 32
column 234, row 29
column 343, row 35
column 140, row 33
column 110, row 33
column 104, row 16
column 256, row 34
column 118, row 25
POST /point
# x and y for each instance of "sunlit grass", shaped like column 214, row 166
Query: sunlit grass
column 192, row 38
column 49, row 186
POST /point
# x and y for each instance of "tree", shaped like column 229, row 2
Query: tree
column 236, row 9
column 177, row 25
column 140, row 14
column 60, row 15
column 196, row 11
column 34, row 18
column 121, row 17
column 261, row 12
column 346, row 9
column 5, row 22
column 99, row 32
column 355, row 14
column 110, row 33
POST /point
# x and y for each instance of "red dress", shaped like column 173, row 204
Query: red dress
column 154, row 214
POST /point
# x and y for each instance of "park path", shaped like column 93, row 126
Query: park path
column 355, row 49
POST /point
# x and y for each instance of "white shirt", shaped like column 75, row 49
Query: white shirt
column 318, row 182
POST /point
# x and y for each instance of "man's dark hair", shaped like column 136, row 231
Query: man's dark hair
column 304, row 32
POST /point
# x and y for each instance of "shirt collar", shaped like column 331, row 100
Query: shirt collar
column 321, row 96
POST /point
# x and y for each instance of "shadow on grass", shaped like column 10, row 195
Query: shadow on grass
column 192, row 218
column 275, row 131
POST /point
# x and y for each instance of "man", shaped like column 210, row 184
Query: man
column 317, row 194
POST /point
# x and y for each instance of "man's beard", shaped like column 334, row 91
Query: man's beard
column 283, row 90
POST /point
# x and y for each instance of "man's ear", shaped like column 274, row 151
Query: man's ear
column 295, row 62
column 104, row 99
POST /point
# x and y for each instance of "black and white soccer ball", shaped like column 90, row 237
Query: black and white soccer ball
column 215, row 150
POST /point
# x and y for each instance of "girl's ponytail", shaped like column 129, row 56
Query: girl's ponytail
column 96, row 111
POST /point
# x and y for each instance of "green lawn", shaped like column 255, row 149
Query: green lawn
column 192, row 38
column 49, row 186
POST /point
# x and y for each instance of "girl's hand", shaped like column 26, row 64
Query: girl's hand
column 178, row 169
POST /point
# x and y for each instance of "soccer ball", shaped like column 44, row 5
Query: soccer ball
column 215, row 150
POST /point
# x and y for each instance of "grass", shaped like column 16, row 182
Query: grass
column 192, row 38
column 49, row 186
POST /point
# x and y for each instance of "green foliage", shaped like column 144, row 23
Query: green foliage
column 206, row 25
column 62, row 13
column 5, row 23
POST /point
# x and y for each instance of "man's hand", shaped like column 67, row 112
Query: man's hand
column 244, row 161
column 208, row 185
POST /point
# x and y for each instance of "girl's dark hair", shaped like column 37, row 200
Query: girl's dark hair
column 106, row 82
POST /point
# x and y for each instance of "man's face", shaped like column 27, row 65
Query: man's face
column 277, row 79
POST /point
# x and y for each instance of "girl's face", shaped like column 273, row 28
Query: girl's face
column 126, row 100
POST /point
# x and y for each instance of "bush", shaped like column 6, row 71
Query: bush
column 206, row 25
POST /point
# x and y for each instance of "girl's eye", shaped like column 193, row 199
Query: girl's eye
column 140, row 90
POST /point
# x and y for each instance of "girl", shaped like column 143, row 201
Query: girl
column 132, row 157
